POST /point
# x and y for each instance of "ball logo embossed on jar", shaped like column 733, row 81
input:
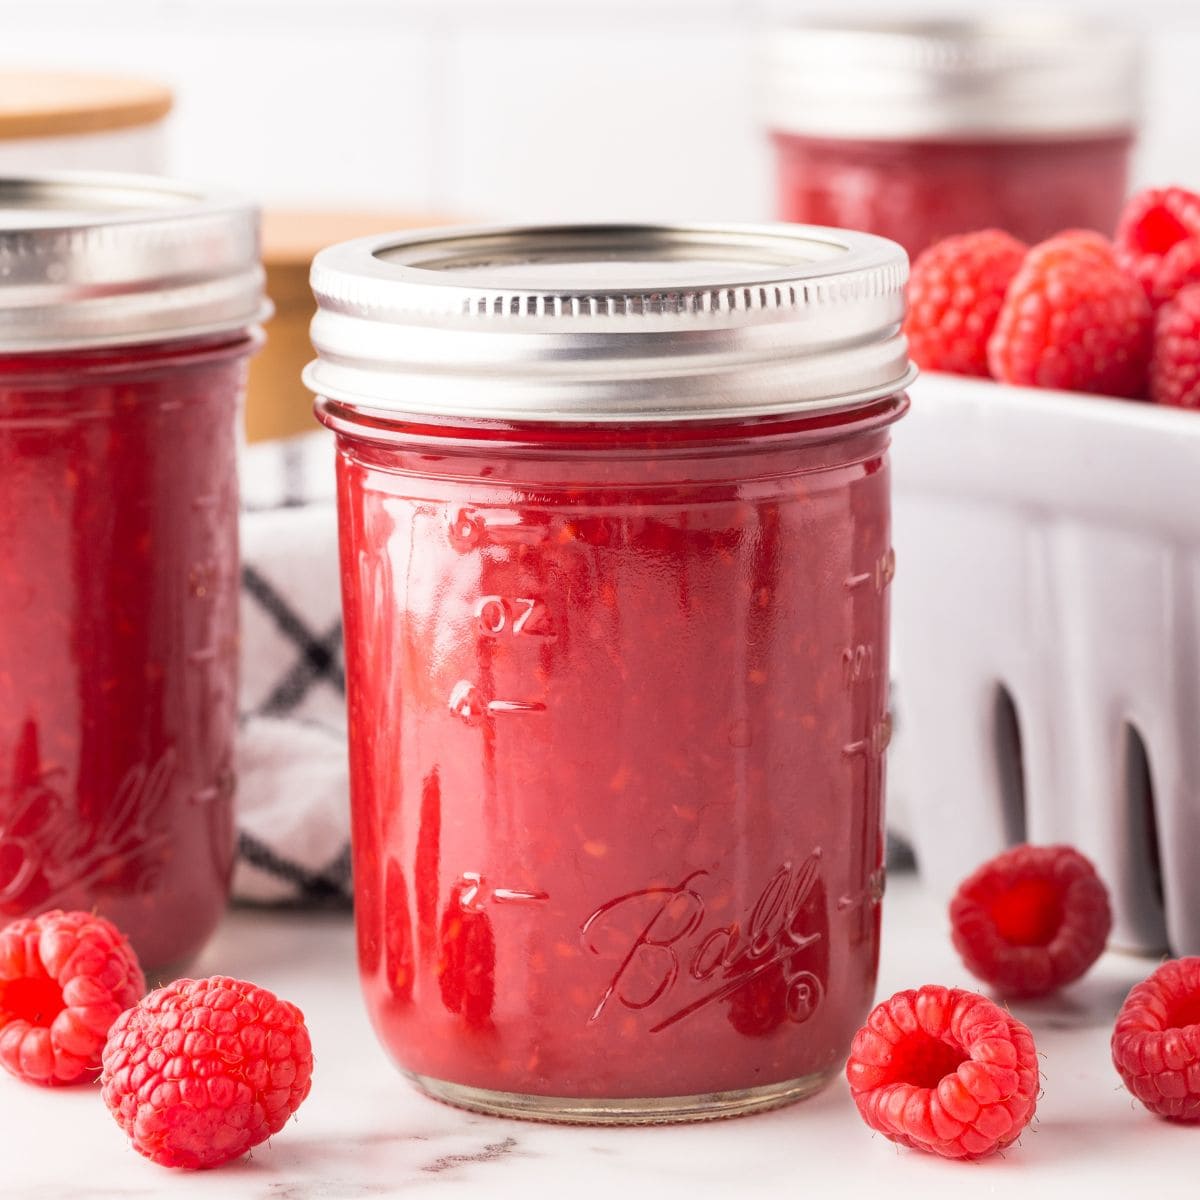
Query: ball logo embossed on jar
column 48, row 857
column 681, row 959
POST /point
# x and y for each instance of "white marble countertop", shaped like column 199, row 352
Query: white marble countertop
column 364, row 1132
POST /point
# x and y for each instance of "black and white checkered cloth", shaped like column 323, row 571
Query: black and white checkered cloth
column 293, row 809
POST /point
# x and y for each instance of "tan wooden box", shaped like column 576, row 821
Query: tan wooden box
column 278, row 404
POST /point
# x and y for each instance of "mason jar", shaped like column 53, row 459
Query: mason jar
column 921, row 129
column 128, row 308
column 615, row 557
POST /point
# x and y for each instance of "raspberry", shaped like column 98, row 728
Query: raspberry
column 946, row 1071
column 954, row 297
column 1175, row 363
column 1158, row 241
column 1031, row 919
column 1156, row 1040
column 1072, row 319
column 65, row 977
column 204, row 1069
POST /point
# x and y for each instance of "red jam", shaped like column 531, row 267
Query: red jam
column 118, row 648
column 617, row 702
column 917, row 192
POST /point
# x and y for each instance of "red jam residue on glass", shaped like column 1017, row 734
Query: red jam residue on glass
column 619, row 711
column 118, row 585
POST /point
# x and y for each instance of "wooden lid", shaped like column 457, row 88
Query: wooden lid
column 51, row 104
column 277, row 403
column 291, row 237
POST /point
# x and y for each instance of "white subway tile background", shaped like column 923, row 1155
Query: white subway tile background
column 508, row 109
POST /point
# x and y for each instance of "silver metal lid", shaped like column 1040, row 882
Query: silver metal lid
column 609, row 323
column 1008, row 77
column 101, row 260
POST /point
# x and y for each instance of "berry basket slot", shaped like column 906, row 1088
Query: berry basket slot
column 1047, row 641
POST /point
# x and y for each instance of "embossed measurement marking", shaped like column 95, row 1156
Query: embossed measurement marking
column 879, row 576
column 858, row 663
column 467, row 702
column 514, row 706
column 875, row 743
column 520, row 616
column 870, row 895
column 496, row 615
column 475, row 893
column 472, row 527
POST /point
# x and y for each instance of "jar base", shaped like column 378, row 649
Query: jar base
column 662, row 1110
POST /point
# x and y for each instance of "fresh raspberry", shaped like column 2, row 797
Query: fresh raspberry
column 204, row 1069
column 954, row 297
column 1156, row 1040
column 946, row 1071
column 1175, row 363
column 1072, row 319
column 1031, row 919
column 65, row 977
column 1158, row 241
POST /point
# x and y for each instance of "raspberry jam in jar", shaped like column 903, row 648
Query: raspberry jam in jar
column 918, row 130
column 128, row 308
column 615, row 550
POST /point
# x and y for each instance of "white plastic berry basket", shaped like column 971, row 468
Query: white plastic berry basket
column 1047, row 641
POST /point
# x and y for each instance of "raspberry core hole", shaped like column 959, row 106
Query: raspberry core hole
column 1029, row 913
column 1159, row 230
column 37, row 1001
column 1184, row 1012
column 924, row 1061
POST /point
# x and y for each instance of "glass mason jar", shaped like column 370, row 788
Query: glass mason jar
column 615, row 554
column 918, row 130
column 128, row 307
